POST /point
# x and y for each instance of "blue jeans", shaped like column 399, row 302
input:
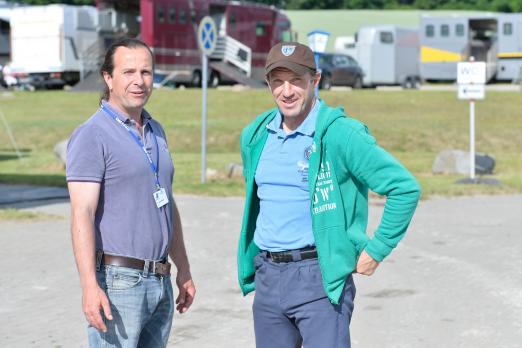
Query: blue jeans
column 291, row 308
column 142, row 309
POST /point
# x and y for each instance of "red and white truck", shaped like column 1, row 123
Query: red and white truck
column 246, row 32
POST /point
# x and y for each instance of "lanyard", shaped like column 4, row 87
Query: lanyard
column 153, row 167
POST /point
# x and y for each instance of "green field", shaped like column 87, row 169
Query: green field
column 413, row 125
column 347, row 22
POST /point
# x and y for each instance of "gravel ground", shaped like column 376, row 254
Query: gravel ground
column 454, row 281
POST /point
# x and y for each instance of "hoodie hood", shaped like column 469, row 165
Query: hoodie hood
column 326, row 117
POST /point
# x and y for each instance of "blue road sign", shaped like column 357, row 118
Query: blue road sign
column 207, row 35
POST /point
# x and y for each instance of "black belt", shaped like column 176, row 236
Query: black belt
column 157, row 267
column 292, row 255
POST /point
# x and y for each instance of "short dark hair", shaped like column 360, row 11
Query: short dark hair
column 108, row 61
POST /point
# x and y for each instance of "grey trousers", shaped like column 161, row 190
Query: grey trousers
column 291, row 308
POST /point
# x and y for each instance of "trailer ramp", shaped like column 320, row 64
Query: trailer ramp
column 235, row 75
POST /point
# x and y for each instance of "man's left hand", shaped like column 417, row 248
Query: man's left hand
column 187, row 291
column 366, row 264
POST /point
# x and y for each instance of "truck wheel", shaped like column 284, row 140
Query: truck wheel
column 358, row 83
column 196, row 79
column 214, row 80
column 326, row 82
column 411, row 82
column 416, row 82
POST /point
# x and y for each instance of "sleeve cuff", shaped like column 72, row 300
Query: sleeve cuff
column 84, row 178
column 377, row 249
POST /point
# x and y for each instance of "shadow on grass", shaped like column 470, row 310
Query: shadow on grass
column 10, row 154
column 56, row 180
column 4, row 157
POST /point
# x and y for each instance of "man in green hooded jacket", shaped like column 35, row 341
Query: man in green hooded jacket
column 308, row 168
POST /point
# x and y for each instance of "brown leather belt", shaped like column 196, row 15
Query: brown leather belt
column 157, row 267
column 292, row 255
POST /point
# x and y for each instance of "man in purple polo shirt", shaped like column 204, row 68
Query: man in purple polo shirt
column 125, row 222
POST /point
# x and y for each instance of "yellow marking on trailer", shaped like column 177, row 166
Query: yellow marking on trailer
column 510, row 55
column 435, row 55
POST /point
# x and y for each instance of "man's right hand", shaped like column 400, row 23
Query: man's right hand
column 94, row 300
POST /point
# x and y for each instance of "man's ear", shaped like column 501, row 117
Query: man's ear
column 268, row 84
column 317, row 78
column 108, row 79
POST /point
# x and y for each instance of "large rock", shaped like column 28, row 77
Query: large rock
column 60, row 150
column 234, row 170
column 457, row 162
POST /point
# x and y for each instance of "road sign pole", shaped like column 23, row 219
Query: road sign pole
column 207, row 37
column 204, row 80
column 472, row 139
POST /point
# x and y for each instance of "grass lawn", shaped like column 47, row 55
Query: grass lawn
column 412, row 125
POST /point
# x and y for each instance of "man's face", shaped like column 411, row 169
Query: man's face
column 131, row 82
column 293, row 93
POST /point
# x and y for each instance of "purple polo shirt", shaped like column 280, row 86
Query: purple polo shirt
column 127, row 220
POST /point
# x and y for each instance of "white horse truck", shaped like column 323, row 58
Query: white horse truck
column 47, row 43
column 388, row 55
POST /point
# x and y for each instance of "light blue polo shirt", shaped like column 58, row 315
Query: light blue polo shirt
column 284, row 221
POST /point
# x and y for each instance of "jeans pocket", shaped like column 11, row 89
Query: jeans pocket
column 123, row 280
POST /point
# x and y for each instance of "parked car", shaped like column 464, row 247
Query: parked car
column 339, row 70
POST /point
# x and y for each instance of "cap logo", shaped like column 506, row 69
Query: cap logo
column 287, row 50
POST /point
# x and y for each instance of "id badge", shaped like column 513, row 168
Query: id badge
column 160, row 196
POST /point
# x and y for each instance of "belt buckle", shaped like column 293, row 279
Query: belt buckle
column 280, row 257
column 161, row 268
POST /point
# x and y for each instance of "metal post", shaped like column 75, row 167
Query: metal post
column 316, row 57
column 472, row 139
column 204, row 80
column 10, row 134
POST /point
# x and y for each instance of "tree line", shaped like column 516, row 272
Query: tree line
column 476, row 5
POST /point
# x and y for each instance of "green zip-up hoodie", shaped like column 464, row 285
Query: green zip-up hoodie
column 345, row 162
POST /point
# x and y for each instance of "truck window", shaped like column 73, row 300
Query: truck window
column 507, row 29
column 160, row 14
column 444, row 30
column 193, row 16
column 430, row 31
column 172, row 15
column 286, row 35
column 459, row 30
column 260, row 29
column 386, row 37
column 182, row 18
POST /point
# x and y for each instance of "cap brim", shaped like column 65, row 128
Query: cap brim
column 297, row 68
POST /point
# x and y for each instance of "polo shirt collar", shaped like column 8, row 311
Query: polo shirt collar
column 305, row 128
column 126, row 119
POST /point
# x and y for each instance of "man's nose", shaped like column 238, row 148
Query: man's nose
column 287, row 88
column 138, row 79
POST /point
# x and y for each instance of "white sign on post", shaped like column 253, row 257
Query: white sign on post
column 471, row 72
column 317, row 40
column 470, row 91
column 471, row 77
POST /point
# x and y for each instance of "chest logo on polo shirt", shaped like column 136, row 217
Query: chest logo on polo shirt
column 308, row 152
column 302, row 165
